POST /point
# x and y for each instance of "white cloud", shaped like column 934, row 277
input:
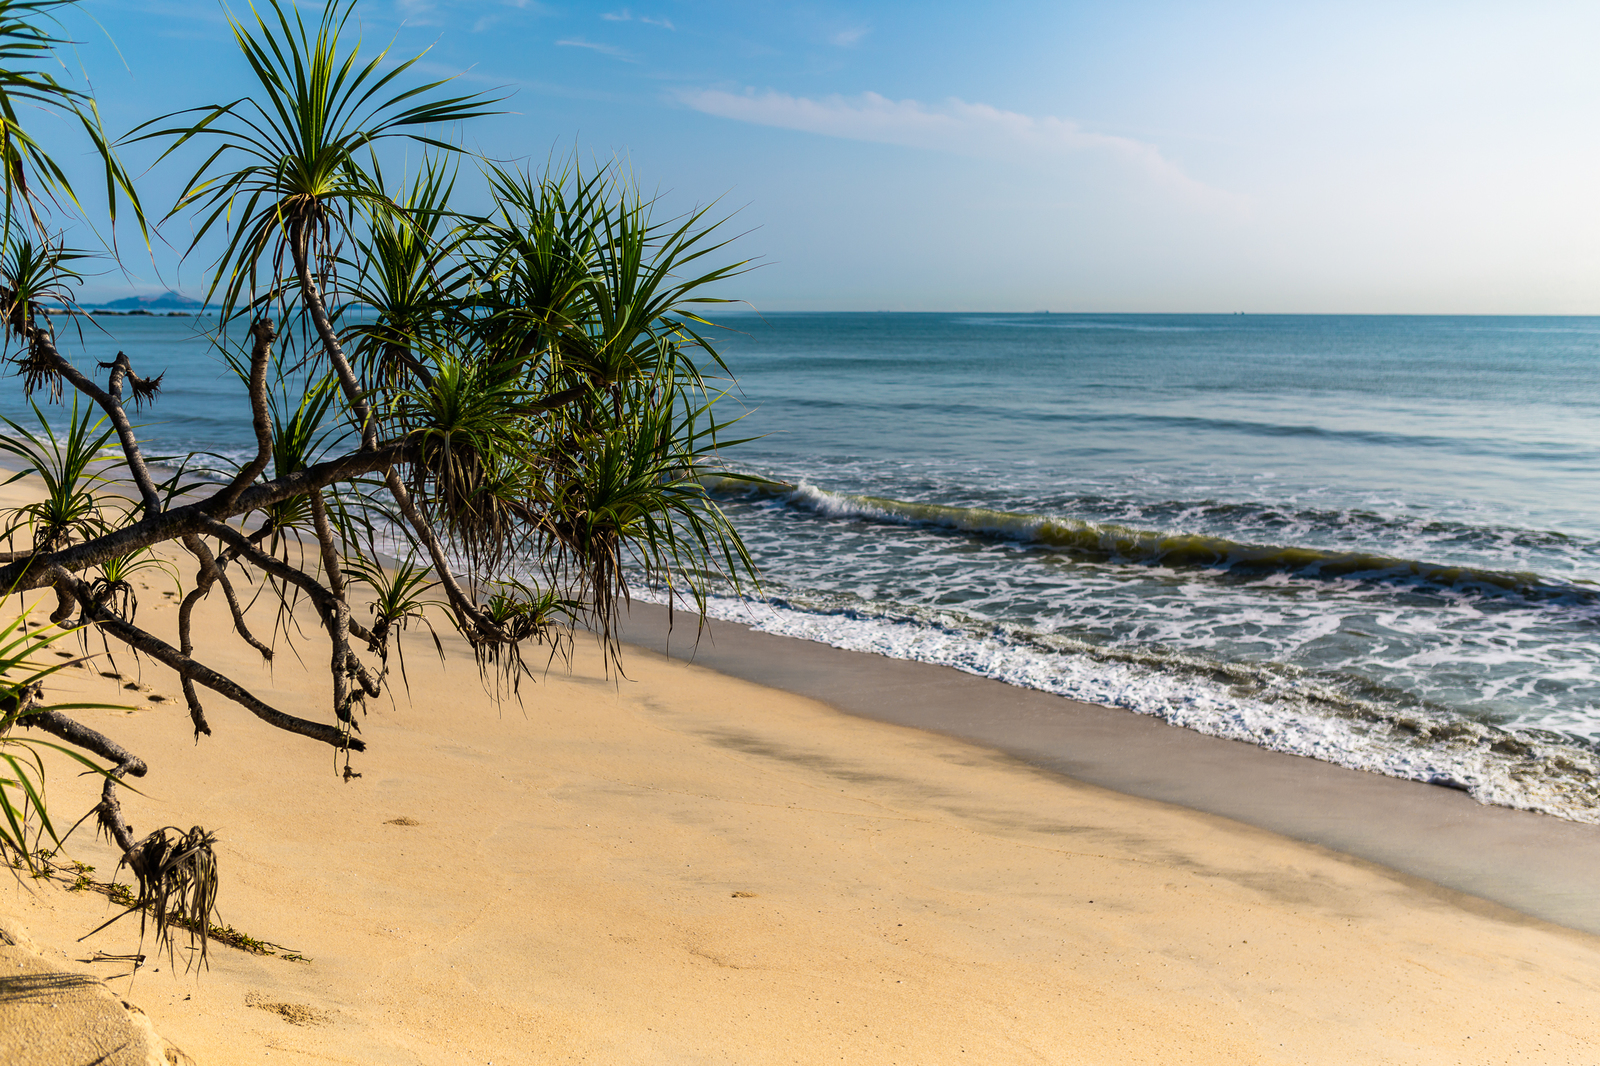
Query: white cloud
column 604, row 49
column 628, row 16
column 443, row 12
column 954, row 126
column 851, row 37
column 416, row 12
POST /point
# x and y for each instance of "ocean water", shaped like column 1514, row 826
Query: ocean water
column 1370, row 540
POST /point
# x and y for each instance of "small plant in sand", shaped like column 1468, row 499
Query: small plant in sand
column 509, row 402
column 177, row 877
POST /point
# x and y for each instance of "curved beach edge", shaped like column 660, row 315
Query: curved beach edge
column 1544, row 867
column 682, row 866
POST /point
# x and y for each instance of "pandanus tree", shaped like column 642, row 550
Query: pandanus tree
column 499, row 417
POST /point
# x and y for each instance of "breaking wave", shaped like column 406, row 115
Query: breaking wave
column 1115, row 543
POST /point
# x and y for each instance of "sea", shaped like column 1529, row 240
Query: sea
column 1369, row 540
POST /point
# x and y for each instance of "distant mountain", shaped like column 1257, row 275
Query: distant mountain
column 167, row 301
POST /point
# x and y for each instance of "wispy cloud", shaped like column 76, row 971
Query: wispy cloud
column 475, row 76
column 416, row 12
column 953, row 126
column 530, row 7
column 851, row 37
column 604, row 49
column 447, row 12
column 627, row 16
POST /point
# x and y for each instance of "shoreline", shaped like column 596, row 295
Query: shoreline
column 1539, row 865
column 686, row 867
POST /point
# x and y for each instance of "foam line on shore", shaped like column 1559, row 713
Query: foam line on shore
column 1545, row 867
column 1284, row 711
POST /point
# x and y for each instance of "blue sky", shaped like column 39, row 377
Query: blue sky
column 1262, row 157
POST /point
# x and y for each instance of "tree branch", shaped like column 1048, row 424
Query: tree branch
column 241, row 547
column 185, row 666
column 125, row 763
column 299, row 240
column 111, row 404
column 339, row 620
column 211, row 573
column 473, row 622
column 263, row 333
column 30, row 572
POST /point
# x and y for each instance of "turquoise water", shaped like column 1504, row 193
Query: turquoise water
column 1372, row 540
column 1369, row 540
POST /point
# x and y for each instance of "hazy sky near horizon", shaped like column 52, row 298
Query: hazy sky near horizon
column 1239, row 156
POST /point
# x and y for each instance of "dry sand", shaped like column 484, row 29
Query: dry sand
column 684, row 867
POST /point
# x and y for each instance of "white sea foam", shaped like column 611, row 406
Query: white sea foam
column 1528, row 770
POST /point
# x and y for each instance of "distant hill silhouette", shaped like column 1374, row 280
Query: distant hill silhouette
column 167, row 301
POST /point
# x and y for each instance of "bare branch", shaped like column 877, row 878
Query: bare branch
column 299, row 241
column 124, row 763
column 262, row 333
column 110, row 402
column 339, row 622
column 188, row 667
column 211, row 574
column 28, row 572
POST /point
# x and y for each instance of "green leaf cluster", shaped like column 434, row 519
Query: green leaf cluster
column 481, row 392
column 545, row 364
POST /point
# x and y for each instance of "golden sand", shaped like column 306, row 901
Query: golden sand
column 682, row 867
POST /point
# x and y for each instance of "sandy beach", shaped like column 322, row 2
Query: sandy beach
column 687, row 867
column 1133, row 471
column 1537, row 865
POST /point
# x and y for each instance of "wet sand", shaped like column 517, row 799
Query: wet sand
column 1532, row 863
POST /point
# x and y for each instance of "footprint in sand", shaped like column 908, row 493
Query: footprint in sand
column 293, row 1013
